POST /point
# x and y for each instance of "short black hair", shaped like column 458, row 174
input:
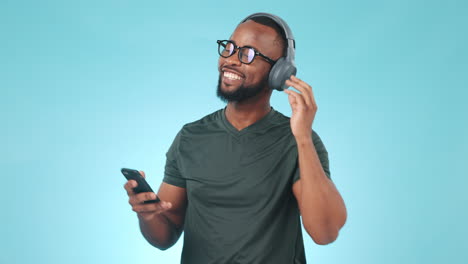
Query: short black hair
column 269, row 22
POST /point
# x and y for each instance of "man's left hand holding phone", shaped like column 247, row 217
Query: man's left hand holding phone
column 141, row 197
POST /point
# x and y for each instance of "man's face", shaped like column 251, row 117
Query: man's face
column 239, row 81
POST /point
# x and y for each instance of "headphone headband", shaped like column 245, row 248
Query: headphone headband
column 287, row 31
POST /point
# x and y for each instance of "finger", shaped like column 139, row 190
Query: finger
column 291, row 99
column 145, row 196
column 303, row 88
column 308, row 88
column 147, row 208
column 302, row 91
column 152, row 208
column 143, row 174
column 129, row 185
column 140, row 198
column 299, row 99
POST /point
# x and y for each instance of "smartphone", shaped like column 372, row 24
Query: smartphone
column 143, row 186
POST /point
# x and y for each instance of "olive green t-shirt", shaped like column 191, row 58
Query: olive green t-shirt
column 241, row 208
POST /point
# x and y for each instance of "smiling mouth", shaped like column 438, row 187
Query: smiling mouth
column 231, row 76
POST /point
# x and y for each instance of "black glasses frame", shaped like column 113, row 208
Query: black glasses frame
column 256, row 52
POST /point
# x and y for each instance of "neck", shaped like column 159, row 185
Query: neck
column 245, row 113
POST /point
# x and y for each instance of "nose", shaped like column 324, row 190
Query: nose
column 234, row 59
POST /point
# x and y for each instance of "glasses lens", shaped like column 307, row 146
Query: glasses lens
column 247, row 55
column 225, row 48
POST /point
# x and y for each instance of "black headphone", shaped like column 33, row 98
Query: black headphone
column 284, row 66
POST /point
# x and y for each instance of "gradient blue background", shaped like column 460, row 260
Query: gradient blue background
column 88, row 87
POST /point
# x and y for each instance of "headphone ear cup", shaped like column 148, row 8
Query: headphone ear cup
column 280, row 72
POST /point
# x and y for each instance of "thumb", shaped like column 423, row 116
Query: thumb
column 143, row 174
column 291, row 98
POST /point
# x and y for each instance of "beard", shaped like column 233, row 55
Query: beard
column 242, row 93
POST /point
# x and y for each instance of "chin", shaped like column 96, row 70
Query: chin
column 229, row 89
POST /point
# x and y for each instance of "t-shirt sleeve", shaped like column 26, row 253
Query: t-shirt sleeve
column 322, row 154
column 172, row 174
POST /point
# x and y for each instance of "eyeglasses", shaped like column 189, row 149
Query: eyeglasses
column 226, row 48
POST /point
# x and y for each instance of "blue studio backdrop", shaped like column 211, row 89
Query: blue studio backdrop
column 88, row 87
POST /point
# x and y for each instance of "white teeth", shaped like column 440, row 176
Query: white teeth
column 232, row 76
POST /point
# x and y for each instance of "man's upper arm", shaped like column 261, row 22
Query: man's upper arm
column 322, row 153
column 172, row 188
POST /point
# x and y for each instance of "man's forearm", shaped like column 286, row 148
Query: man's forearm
column 159, row 231
column 322, row 207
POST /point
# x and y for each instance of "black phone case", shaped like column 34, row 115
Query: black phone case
column 143, row 186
